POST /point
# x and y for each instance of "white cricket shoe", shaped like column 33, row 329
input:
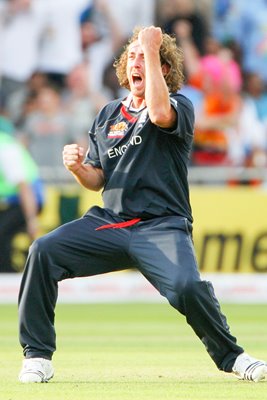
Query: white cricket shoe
column 36, row 370
column 249, row 369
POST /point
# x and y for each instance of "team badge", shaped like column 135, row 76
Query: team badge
column 118, row 130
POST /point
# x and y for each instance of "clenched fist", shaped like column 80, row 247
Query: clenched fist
column 73, row 156
column 150, row 38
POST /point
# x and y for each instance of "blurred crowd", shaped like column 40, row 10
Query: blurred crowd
column 56, row 68
column 56, row 72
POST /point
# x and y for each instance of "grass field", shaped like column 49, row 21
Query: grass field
column 132, row 351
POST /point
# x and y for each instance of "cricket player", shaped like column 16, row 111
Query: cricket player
column 139, row 149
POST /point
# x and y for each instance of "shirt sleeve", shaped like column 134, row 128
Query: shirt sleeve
column 184, row 128
column 92, row 155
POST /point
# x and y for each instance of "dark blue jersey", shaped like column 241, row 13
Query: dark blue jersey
column 145, row 166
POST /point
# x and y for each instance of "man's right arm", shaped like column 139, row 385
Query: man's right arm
column 85, row 174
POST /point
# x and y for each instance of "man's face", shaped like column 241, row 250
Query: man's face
column 136, row 70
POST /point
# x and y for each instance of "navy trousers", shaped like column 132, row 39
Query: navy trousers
column 160, row 248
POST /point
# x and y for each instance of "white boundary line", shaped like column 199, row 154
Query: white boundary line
column 133, row 287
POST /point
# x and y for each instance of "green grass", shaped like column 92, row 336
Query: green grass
column 132, row 352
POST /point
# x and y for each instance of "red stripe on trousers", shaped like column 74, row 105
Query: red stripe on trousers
column 124, row 224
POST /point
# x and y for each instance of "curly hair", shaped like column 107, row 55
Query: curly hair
column 170, row 54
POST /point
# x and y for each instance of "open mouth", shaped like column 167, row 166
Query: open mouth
column 137, row 79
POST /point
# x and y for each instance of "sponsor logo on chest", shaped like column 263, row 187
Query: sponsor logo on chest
column 117, row 131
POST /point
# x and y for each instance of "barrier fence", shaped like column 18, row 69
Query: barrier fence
column 230, row 225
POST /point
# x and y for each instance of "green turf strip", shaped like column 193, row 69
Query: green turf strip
column 132, row 351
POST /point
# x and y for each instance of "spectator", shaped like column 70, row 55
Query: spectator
column 80, row 102
column 204, row 7
column 218, row 76
column 101, row 34
column 255, row 91
column 225, row 19
column 22, row 25
column 46, row 129
column 90, row 32
column 44, row 132
column 22, row 101
column 185, row 10
column 6, row 125
column 60, row 49
column 248, row 144
column 249, row 147
column 131, row 13
column 21, row 197
column 245, row 23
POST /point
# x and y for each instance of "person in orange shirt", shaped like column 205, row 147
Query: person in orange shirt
column 218, row 76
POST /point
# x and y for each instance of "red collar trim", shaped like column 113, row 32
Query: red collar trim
column 128, row 116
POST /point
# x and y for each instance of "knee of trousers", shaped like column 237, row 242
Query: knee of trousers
column 44, row 257
column 186, row 295
column 180, row 295
column 42, row 252
column 42, row 245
